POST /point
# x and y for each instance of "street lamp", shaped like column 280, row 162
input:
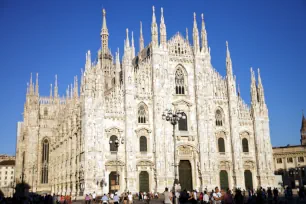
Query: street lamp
column 173, row 116
column 117, row 143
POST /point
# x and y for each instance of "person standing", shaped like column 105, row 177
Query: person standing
column 205, row 198
column 94, row 197
column 104, row 199
column 130, row 197
column 116, row 198
column 167, row 196
column 217, row 197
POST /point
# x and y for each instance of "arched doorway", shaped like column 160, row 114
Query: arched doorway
column 185, row 175
column 223, row 180
column 248, row 179
column 113, row 181
column 144, row 181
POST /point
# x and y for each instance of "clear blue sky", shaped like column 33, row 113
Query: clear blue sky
column 52, row 37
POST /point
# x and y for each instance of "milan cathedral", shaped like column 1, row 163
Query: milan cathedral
column 108, row 134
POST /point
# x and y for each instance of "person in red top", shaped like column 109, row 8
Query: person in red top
column 201, row 197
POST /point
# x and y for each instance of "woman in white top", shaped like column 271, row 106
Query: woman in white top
column 205, row 198
column 130, row 197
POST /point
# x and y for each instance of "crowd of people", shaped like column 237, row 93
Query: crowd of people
column 238, row 196
column 215, row 196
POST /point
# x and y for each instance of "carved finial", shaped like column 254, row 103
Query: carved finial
column 153, row 8
column 104, row 12
column 202, row 15
column 194, row 16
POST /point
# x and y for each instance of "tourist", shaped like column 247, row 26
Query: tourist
column 238, row 197
column 87, row 199
column 216, row 197
column 275, row 195
column 228, row 198
column 201, row 197
column 205, row 198
column 94, row 197
column 116, row 198
column 167, row 196
column 130, row 197
column 195, row 195
column 191, row 198
column 104, row 199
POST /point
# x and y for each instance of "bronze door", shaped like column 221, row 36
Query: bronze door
column 185, row 175
column 223, row 180
column 248, row 179
column 144, row 181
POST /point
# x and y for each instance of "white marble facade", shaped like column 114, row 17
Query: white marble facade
column 64, row 141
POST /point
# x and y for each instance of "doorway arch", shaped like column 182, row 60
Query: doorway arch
column 248, row 179
column 223, row 180
column 144, row 181
column 185, row 175
column 114, row 182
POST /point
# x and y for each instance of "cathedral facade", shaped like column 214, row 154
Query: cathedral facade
column 108, row 134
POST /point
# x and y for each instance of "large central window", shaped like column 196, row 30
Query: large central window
column 142, row 113
column 179, row 81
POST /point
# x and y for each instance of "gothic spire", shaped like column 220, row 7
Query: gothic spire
column 253, row 88
column 154, row 31
column 55, row 87
column 141, row 40
column 127, row 41
column 36, row 85
column 195, row 34
column 67, row 92
column 31, row 85
column 163, row 32
column 187, row 35
column 204, row 36
column 303, row 127
column 133, row 47
column 117, row 76
column 229, row 68
column 50, row 90
column 260, row 89
column 76, row 87
column 104, row 33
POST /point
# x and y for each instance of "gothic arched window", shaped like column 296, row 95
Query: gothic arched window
column 221, row 145
column 45, row 161
column 219, row 118
column 143, row 144
column 112, row 143
column 245, row 145
column 179, row 81
column 142, row 114
column 182, row 123
column 45, row 111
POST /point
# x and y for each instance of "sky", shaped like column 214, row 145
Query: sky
column 52, row 36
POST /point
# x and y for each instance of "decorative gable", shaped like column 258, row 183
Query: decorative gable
column 178, row 46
